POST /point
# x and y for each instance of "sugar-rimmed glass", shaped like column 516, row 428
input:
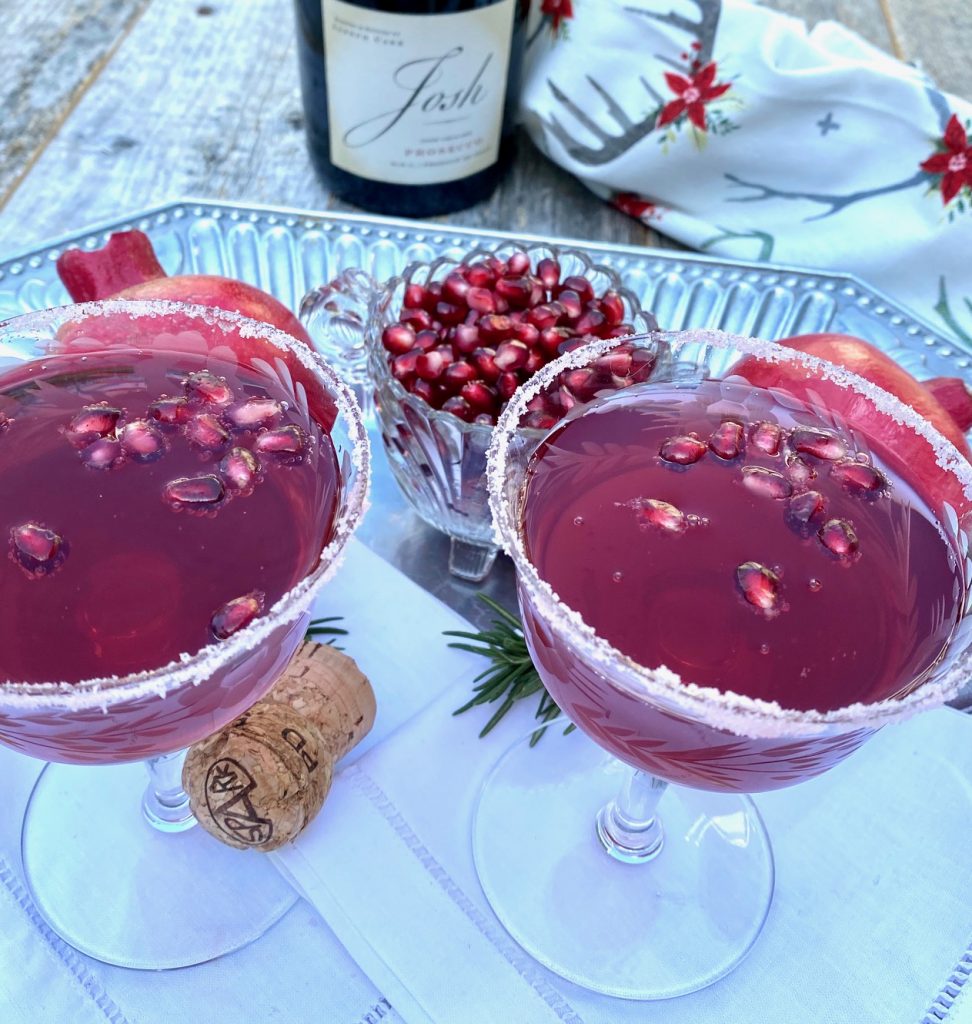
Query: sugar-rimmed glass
column 571, row 852
column 118, row 885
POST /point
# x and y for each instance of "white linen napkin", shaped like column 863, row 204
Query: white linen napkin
column 737, row 131
column 872, row 910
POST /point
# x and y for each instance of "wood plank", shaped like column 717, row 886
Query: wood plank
column 56, row 50
column 938, row 35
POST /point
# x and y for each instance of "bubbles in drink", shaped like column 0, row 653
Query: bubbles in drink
column 142, row 442
column 194, row 492
column 236, row 614
column 36, row 549
column 767, row 483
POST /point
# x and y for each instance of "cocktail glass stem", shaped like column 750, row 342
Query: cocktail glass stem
column 165, row 804
column 628, row 827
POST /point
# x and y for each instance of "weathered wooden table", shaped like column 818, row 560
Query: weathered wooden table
column 110, row 106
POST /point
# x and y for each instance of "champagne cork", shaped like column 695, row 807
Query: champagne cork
column 258, row 783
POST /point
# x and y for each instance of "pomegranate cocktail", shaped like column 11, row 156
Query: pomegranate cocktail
column 162, row 487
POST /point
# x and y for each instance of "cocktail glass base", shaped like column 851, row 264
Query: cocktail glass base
column 670, row 925
column 121, row 891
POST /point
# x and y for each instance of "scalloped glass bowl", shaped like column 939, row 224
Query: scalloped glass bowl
column 438, row 460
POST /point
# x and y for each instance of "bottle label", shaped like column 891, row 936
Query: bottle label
column 415, row 99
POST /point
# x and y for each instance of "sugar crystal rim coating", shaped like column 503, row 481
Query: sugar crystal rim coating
column 193, row 669
column 722, row 709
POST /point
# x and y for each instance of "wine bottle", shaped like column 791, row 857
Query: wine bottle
column 410, row 105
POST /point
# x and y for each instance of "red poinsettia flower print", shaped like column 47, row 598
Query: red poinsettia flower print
column 692, row 95
column 954, row 163
column 633, row 205
column 558, row 10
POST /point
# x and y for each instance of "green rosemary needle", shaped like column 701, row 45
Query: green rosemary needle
column 322, row 627
column 510, row 676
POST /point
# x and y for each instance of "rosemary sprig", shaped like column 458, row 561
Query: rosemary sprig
column 323, row 627
column 510, row 676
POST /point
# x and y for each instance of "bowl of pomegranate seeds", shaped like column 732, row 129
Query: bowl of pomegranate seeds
column 448, row 343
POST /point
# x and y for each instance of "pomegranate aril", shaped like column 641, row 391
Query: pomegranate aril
column 287, row 440
column 767, row 437
column 859, row 478
column 459, row 373
column 415, row 297
column 506, row 385
column 760, row 586
column 573, row 306
column 548, row 270
column 459, row 407
column 818, row 443
column 582, row 383
column 94, row 421
column 839, row 538
column 481, row 300
column 479, row 275
column 419, row 319
column 170, row 412
column 239, row 469
column 516, row 290
column 518, row 263
column 486, row 419
column 4, row 422
column 38, row 550
column 799, row 471
column 433, row 296
column 209, row 388
column 543, row 316
column 578, row 284
column 538, row 420
column 254, row 413
column 466, row 338
column 803, row 508
column 621, row 331
column 495, row 328
column 431, row 365
column 682, row 450
column 662, row 516
column 511, row 355
column 591, row 322
column 205, row 431
column 526, row 333
column 612, row 306
column 485, row 362
column 534, row 362
column 498, row 266
column 424, row 390
column 105, row 453
column 616, row 363
column 767, row 483
column 403, row 367
column 427, row 340
column 537, row 292
column 449, row 313
column 142, row 441
column 551, row 339
column 642, row 363
column 194, row 491
column 726, row 441
column 236, row 614
column 398, row 338
column 480, row 396
column 455, row 287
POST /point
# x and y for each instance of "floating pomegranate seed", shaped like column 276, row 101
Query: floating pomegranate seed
column 36, row 549
column 142, row 441
column 485, row 362
column 538, row 420
column 415, row 296
column 818, row 443
column 254, row 413
column 481, row 300
column 398, row 338
column 431, row 365
column 591, row 322
column 287, row 440
column 403, row 367
column 170, row 412
column 236, row 614
column 93, row 421
column 767, row 437
column 551, row 338
column 466, row 338
column 105, row 453
column 418, row 319
column 760, row 586
column 479, row 275
column 485, row 418
column 239, row 469
column 518, row 263
column 495, row 328
column 767, row 483
column 449, row 314
column 209, row 388
column 480, row 396
column 727, row 440
column 803, row 508
column 838, row 537
column 543, row 316
column 455, row 288
column 459, row 407
column 506, row 384
column 206, row 432
column 516, row 290
column 612, row 306
column 526, row 333
column 572, row 303
column 194, row 491
column 511, row 355
column 860, row 478
column 580, row 285
column 457, row 374
column 662, row 516
column 799, row 471
column 682, row 450
column 548, row 270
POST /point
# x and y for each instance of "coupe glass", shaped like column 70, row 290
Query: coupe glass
column 117, row 868
column 595, row 864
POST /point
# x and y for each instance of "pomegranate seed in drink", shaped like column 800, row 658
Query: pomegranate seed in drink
column 860, row 478
column 207, row 433
column 815, row 600
column 254, row 413
column 822, row 444
column 799, row 471
column 236, row 614
column 727, row 441
column 38, row 550
column 170, row 412
column 208, row 388
column 682, row 449
column 282, row 441
column 142, row 442
column 239, row 469
column 91, row 422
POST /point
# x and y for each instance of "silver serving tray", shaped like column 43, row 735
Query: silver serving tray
column 288, row 252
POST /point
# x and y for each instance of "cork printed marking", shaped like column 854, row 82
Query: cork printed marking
column 235, row 814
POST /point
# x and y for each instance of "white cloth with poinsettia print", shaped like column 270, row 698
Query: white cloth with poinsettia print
column 736, row 130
